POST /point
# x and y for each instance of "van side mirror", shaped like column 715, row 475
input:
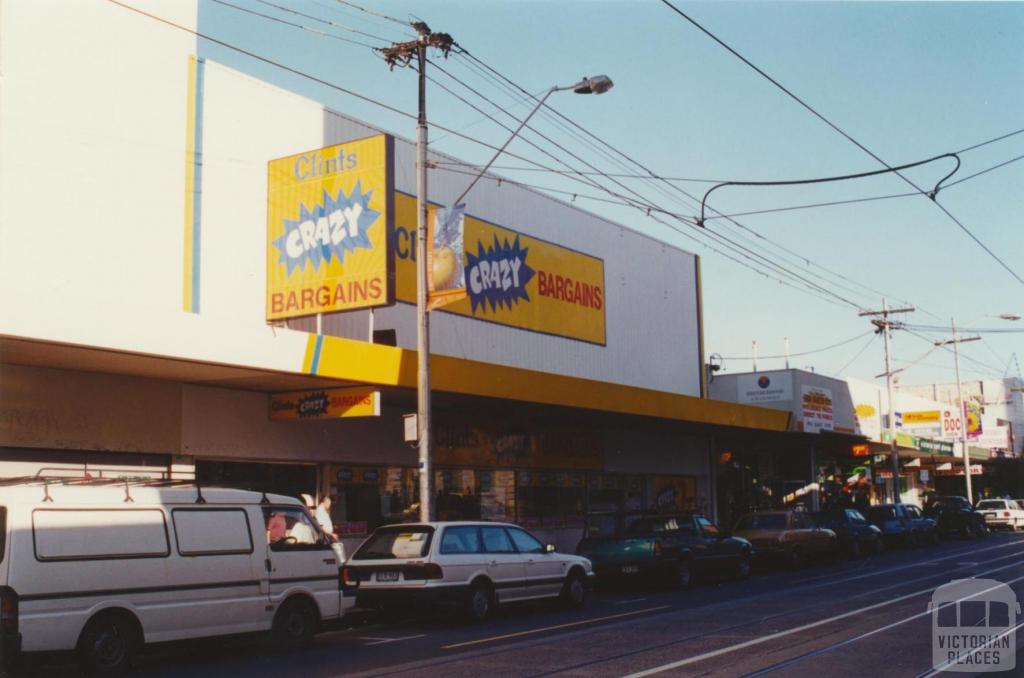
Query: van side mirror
column 549, row 548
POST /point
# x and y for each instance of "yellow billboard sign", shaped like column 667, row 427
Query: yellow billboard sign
column 933, row 417
column 512, row 279
column 332, row 403
column 330, row 215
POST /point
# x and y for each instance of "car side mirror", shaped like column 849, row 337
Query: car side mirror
column 549, row 548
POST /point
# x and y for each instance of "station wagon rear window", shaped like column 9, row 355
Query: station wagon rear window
column 992, row 504
column 400, row 541
column 99, row 534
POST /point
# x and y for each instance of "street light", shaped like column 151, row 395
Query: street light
column 599, row 84
column 959, row 392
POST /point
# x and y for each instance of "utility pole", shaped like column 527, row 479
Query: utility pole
column 960, row 402
column 884, row 326
column 402, row 53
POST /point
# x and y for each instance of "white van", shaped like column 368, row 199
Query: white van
column 102, row 567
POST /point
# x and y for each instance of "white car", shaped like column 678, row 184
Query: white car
column 473, row 565
column 1006, row 513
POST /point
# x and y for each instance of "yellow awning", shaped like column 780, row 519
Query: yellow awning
column 349, row 360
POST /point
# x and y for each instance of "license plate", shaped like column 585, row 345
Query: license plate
column 990, row 515
column 387, row 576
column 630, row 569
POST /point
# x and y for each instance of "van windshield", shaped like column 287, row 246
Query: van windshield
column 396, row 541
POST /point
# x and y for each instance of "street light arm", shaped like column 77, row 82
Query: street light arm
column 508, row 141
column 598, row 84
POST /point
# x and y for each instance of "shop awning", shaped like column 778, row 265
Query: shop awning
column 335, row 361
column 337, row 358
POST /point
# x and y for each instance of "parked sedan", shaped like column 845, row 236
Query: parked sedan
column 471, row 566
column 856, row 535
column 955, row 515
column 790, row 536
column 903, row 524
column 1002, row 513
column 667, row 548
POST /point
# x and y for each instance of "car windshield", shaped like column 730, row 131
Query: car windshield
column 762, row 521
column 396, row 541
column 992, row 504
column 882, row 513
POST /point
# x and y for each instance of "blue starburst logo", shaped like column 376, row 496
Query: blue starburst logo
column 497, row 275
column 337, row 225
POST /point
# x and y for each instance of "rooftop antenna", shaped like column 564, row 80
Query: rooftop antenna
column 46, row 491
column 127, row 494
column 199, row 494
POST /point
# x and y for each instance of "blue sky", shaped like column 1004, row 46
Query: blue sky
column 908, row 80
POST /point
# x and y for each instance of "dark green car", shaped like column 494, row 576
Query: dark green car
column 669, row 548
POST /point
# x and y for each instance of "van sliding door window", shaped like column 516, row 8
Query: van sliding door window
column 212, row 531
column 290, row 528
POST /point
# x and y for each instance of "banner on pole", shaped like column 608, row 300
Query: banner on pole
column 446, row 271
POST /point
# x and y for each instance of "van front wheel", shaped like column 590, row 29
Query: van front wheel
column 294, row 624
column 108, row 645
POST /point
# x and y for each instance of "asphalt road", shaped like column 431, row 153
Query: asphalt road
column 852, row 618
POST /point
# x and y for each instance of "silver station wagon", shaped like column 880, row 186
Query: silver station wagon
column 470, row 565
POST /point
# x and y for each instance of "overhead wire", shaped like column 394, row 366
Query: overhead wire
column 328, row 22
column 387, row 107
column 859, row 353
column 464, row 52
column 645, row 203
column 802, row 353
column 289, row 23
column 859, row 145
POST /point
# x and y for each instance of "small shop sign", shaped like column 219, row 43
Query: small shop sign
column 333, row 403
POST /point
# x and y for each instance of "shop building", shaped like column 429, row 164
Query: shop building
column 151, row 328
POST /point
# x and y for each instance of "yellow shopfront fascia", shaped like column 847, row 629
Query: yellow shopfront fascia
column 387, row 366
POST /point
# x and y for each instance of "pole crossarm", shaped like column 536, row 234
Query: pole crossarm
column 958, row 340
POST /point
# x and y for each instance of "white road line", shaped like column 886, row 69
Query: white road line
column 908, row 566
column 382, row 641
column 627, row 602
column 782, row 634
column 529, row 632
column 850, row 641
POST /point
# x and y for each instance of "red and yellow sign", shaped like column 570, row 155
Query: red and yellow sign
column 510, row 278
column 330, row 215
column 334, row 403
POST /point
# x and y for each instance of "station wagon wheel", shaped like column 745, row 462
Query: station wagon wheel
column 796, row 558
column 107, row 645
column 743, row 568
column 574, row 592
column 479, row 602
column 683, row 575
column 855, row 549
column 294, row 624
column 879, row 546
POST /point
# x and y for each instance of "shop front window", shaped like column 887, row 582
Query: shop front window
column 551, row 499
column 497, row 495
column 457, row 495
column 363, row 498
column 604, row 493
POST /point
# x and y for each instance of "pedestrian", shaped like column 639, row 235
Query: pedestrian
column 323, row 515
